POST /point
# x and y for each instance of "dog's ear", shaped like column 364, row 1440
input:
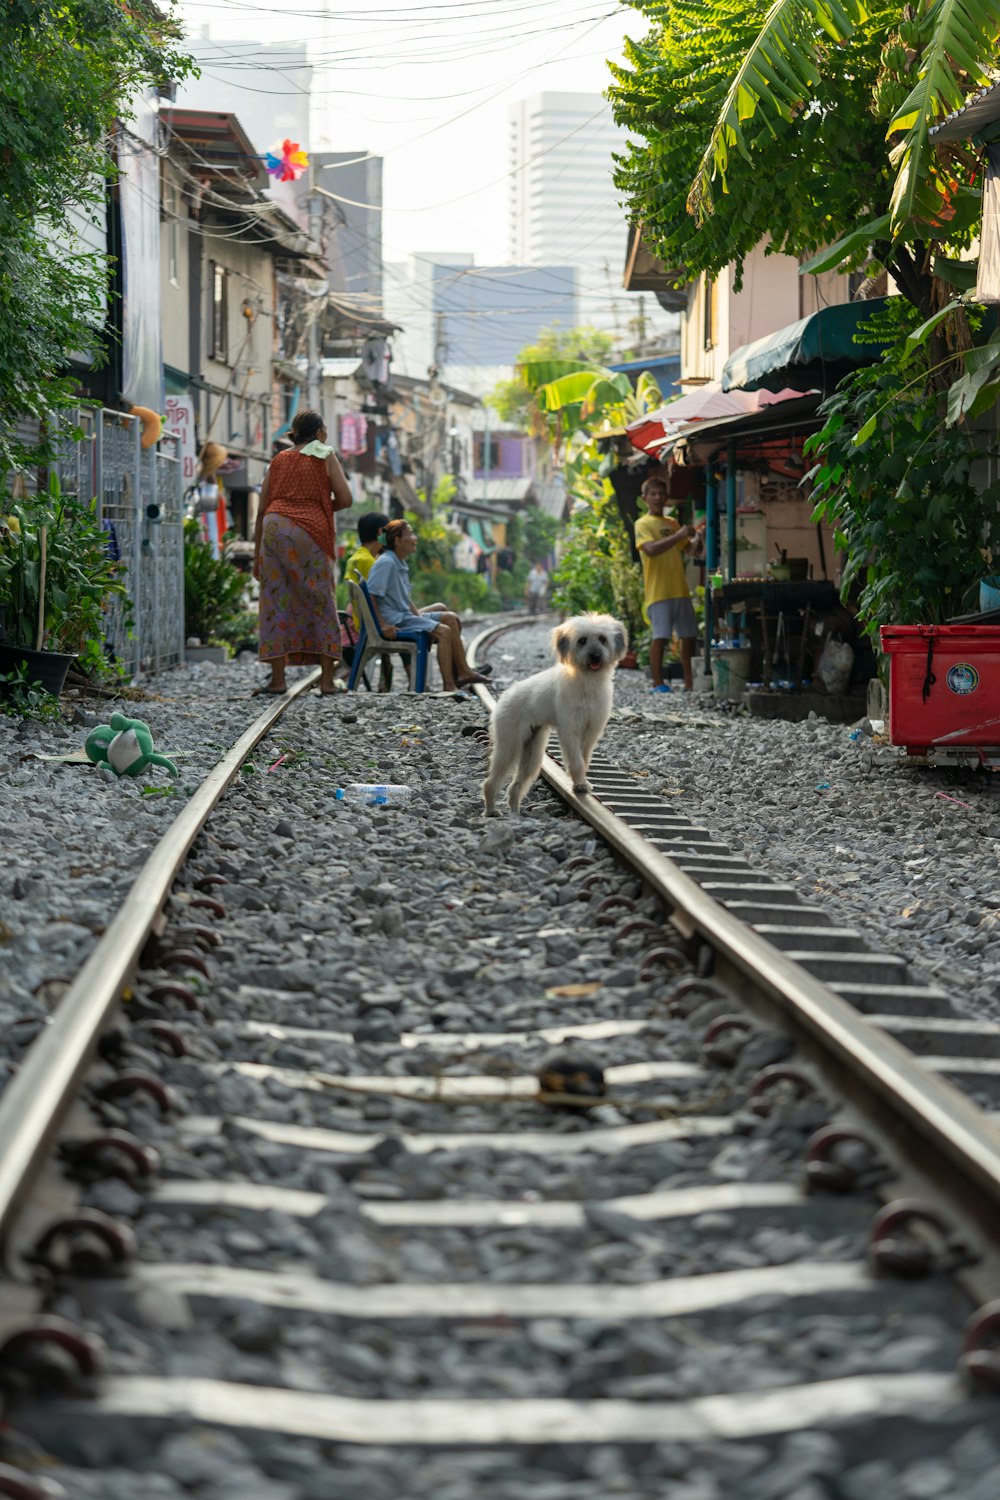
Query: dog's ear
column 561, row 641
column 620, row 642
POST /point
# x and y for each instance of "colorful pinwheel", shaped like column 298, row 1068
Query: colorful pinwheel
column 291, row 163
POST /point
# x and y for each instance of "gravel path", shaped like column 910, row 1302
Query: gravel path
column 430, row 920
column 906, row 854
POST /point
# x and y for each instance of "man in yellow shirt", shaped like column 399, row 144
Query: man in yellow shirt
column 359, row 564
column 370, row 528
column 661, row 543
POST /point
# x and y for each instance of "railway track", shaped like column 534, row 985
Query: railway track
column 322, row 1235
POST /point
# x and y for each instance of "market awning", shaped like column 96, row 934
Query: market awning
column 812, row 354
column 651, row 430
column 656, row 431
column 750, row 434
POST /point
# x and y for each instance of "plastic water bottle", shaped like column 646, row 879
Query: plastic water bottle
column 371, row 794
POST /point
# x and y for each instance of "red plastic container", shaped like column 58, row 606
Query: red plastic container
column 944, row 686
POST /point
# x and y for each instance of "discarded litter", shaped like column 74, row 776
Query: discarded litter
column 945, row 798
column 822, row 786
column 372, row 794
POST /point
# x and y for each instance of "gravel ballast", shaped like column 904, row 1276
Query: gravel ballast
column 429, row 919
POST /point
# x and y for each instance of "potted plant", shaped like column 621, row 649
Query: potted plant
column 57, row 578
column 214, row 597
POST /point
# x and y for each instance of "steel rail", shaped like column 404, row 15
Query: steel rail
column 957, row 1141
column 38, row 1096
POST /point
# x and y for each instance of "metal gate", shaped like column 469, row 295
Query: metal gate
column 139, row 494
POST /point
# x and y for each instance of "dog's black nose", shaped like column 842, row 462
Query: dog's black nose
column 595, row 658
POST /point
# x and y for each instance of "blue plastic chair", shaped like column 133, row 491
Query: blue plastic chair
column 413, row 645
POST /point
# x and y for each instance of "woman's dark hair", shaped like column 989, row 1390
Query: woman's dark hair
column 305, row 425
column 393, row 532
column 369, row 526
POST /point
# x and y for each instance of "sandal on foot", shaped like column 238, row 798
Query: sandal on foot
column 268, row 692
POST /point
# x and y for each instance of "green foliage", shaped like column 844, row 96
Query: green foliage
column 586, row 345
column 435, row 546
column 957, row 45
column 896, row 482
column 433, row 573
column 794, row 182
column 597, row 570
column 776, row 77
column 68, row 69
column 23, row 698
column 756, row 129
column 539, row 533
column 240, row 629
column 213, row 589
column 81, row 577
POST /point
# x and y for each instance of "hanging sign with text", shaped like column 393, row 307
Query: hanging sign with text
column 180, row 419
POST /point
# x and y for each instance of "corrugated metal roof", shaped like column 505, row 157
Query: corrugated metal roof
column 981, row 110
column 340, row 369
column 502, row 489
column 551, row 497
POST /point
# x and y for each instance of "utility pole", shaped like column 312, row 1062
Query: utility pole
column 314, row 371
column 437, row 401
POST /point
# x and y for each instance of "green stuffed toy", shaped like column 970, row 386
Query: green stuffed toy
column 126, row 745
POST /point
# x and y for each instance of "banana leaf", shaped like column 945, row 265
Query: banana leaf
column 777, row 77
column 539, row 372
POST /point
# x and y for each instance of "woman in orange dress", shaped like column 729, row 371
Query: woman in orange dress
column 294, row 549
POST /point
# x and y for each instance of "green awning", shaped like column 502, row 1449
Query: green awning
column 810, row 355
column 177, row 383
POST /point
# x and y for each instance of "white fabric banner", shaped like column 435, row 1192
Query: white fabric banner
column 988, row 288
column 139, row 195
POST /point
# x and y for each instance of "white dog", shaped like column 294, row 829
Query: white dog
column 573, row 697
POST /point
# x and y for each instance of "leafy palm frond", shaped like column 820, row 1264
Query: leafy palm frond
column 606, row 393
column 566, row 390
column 534, row 373
column 647, row 393
column 849, row 247
column 778, row 76
column 958, row 56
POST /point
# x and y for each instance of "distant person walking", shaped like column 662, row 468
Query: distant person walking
column 294, row 548
column 661, row 542
column 537, row 588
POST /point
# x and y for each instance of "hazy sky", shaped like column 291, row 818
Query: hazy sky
column 427, row 86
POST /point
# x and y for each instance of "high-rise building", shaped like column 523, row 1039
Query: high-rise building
column 354, row 178
column 564, row 205
column 473, row 321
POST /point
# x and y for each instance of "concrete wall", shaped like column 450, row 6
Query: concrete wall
column 175, row 255
column 773, row 295
column 237, row 412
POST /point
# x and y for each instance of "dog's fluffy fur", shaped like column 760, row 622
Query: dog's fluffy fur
column 573, row 697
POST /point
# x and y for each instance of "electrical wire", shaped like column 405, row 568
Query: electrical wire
column 482, row 187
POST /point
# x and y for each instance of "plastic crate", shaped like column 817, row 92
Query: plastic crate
column 944, row 686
